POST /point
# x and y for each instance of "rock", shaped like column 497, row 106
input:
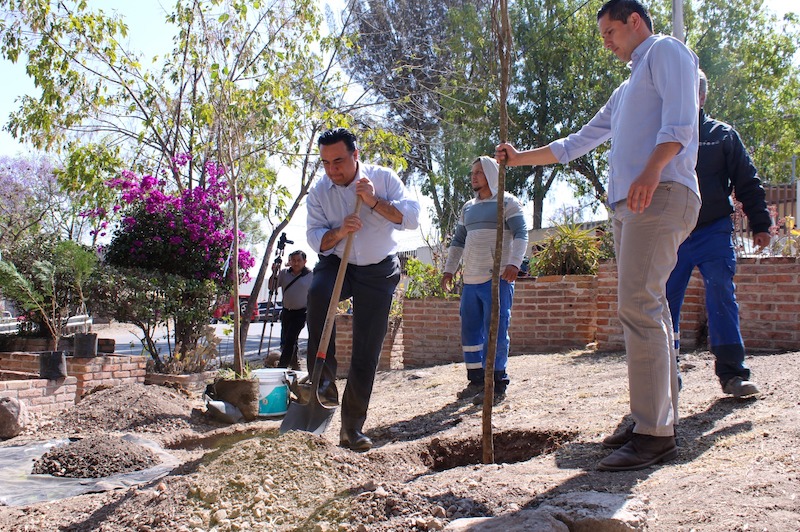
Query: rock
column 528, row 520
column 225, row 412
column 599, row 512
column 219, row 516
column 13, row 417
column 592, row 510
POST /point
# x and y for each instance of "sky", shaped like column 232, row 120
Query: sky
column 145, row 18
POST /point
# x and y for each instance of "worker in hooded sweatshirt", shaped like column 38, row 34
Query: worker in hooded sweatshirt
column 474, row 245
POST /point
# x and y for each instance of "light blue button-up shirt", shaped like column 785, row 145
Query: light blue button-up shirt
column 328, row 204
column 657, row 104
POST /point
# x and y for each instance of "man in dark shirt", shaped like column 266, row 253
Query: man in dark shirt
column 723, row 166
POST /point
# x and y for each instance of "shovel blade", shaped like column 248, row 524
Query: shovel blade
column 313, row 417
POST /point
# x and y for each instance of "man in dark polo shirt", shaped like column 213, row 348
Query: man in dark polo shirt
column 294, row 282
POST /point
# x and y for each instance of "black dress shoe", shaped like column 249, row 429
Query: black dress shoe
column 354, row 440
column 328, row 394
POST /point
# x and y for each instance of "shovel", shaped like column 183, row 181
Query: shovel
column 308, row 414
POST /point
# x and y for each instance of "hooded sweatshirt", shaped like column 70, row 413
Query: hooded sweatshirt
column 474, row 238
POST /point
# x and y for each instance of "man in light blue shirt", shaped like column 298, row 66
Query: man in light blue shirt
column 373, row 267
column 652, row 120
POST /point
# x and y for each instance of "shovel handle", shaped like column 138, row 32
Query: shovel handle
column 330, row 317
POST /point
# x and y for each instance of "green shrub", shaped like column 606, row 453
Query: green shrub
column 568, row 251
column 424, row 280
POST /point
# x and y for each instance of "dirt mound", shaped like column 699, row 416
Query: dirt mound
column 135, row 407
column 425, row 470
column 94, row 457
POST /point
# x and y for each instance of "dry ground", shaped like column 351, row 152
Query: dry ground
column 737, row 470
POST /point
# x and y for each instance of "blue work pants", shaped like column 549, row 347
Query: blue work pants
column 476, row 313
column 710, row 249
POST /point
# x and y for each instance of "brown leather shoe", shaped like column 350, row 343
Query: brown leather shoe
column 640, row 452
column 355, row 440
column 618, row 439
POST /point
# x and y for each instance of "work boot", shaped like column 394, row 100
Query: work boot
column 640, row 452
column 470, row 391
column 738, row 387
column 497, row 397
column 355, row 440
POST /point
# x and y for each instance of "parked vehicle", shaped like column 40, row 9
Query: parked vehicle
column 270, row 312
column 226, row 309
column 8, row 323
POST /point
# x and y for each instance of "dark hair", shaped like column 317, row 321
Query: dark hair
column 622, row 9
column 298, row 252
column 340, row 134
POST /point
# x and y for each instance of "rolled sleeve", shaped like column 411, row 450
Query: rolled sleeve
column 409, row 208
column 674, row 71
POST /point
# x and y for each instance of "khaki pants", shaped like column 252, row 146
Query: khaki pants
column 646, row 246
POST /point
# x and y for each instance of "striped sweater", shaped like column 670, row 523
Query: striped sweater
column 474, row 239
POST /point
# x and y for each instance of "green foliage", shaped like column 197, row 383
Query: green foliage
column 83, row 177
column 754, row 80
column 229, row 374
column 198, row 358
column 47, row 279
column 568, row 251
column 605, row 238
column 150, row 299
column 424, row 280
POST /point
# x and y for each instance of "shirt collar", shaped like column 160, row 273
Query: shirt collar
column 641, row 51
column 331, row 184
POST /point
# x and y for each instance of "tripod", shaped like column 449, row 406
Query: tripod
column 272, row 299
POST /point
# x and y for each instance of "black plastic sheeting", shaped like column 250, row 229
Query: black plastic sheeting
column 18, row 487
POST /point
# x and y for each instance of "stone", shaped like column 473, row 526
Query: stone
column 13, row 417
column 591, row 510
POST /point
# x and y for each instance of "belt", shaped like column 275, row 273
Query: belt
column 294, row 309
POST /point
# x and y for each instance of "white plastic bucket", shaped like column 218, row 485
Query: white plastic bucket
column 273, row 392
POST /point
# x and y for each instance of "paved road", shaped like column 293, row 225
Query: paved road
column 128, row 340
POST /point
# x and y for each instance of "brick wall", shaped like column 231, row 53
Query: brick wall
column 109, row 370
column 41, row 395
column 549, row 313
column 768, row 291
column 559, row 313
column 89, row 372
column 391, row 354
column 769, row 302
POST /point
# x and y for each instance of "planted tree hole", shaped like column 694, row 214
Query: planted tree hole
column 509, row 447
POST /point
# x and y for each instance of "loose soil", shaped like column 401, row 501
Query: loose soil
column 94, row 457
column 737, row 469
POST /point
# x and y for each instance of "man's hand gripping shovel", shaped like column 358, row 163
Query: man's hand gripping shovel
column 308, row 413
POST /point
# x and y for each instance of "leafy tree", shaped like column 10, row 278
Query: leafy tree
column 28, row 196
column 754, row 82
column 562, row 78
column 434, row 84
column 150, row 299
column 83, row 177
column 249, row 84
column 46, row 277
